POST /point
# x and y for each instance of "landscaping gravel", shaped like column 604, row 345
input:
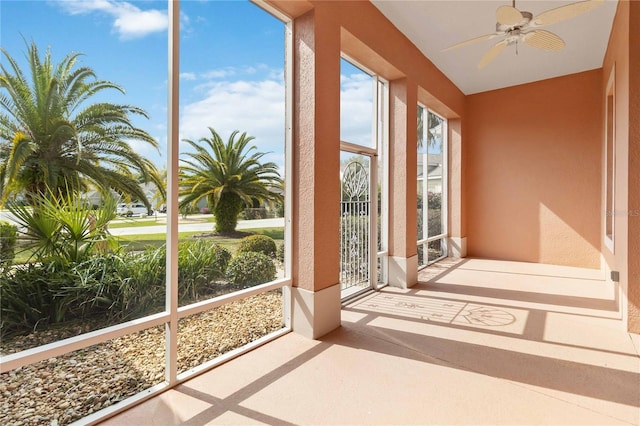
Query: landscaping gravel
column 60, row 390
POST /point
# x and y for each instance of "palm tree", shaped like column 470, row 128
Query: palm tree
column 228, row 175
column 433, row 121
column 52, row 140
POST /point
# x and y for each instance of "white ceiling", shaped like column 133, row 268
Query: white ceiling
column 435, row 25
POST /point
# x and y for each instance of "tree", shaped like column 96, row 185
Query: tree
column 228, row 175
column 53, row 140
column 433, row 123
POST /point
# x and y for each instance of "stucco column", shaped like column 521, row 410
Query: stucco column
column 316, row 174
column 456, row 224
column 403, row 137
column 634, row 170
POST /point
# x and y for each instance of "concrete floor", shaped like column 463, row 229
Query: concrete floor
column 476, row 342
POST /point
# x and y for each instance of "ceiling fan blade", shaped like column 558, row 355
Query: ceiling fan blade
column 543, row 39
column 473, row 40
column 507, row 15
column 566, row 12
column 492, row 53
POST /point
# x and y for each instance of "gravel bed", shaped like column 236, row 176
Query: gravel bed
column 61, row 390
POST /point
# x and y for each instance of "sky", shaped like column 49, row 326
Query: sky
column 231, row 64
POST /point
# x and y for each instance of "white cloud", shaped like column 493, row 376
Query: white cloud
column 145, row 149
column 356, row 108
column 255, row 107
column 258, row 108
column 219, row 73
column 187, row 76
column 129, row 20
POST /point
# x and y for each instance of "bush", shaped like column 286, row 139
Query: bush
column 256, row 213
column 280, row 253
column 8, row 239
column 25, row 298
column 200, row 262
column 279, row 210
column 117, row 286
column 60, row 228
column 187, row 210
column 258, row 244
column 38, row 294
column 249, row 269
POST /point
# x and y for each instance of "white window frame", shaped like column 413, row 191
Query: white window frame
column 445, row 193
column 382, row 138
column 172, row 313
column 379, row 149
column 610, row 163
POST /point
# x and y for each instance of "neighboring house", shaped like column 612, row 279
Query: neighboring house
column 434, row 171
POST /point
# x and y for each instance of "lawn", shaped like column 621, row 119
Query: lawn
column 142, row 241
column 133, row 222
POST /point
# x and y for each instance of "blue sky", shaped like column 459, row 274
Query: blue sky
column 231, row 63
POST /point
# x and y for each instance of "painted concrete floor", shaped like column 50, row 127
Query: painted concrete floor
column 475, row 342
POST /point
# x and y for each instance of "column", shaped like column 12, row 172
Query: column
column 316, row 162
column 403, row 137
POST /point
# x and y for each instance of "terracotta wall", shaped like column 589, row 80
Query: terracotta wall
column 623, row 59
column 322, row 30
column 533, row 157
column 634, row 170
column 616, row 61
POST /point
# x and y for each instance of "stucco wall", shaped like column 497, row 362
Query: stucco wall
column 533, row 178
column 322, row 30
column 528, row 184
column 633, row 180
column 623, row 59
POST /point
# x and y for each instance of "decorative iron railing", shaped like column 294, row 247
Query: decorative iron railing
column 355, row 209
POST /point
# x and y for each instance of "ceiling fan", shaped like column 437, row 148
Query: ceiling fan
column 520, row 26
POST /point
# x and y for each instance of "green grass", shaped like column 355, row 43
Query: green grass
column 132, row 222
column 142, row 241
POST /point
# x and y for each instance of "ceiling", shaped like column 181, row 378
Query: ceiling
column 436, row 25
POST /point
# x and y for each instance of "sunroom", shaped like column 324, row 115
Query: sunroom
column 475, row 248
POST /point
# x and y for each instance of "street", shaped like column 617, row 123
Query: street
column 195, row 227
column 189, row 225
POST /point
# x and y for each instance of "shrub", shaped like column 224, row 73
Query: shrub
column 38, row 294
column 8, row 238
column 258, row 244
column 187, row 210
column 117, row 286
column 200, row 262
column 60, row 228
column 25, row 298
column 280, row 253
column 251, row 268
column 279, row 210
column 255, row 213
column 144, row 292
